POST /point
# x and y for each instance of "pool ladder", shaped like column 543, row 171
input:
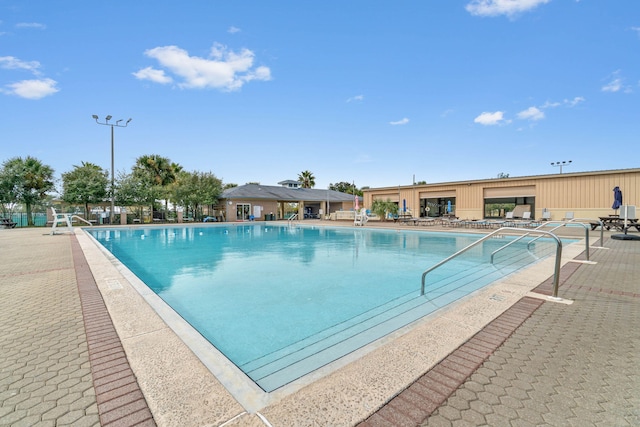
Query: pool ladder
column 540, row 233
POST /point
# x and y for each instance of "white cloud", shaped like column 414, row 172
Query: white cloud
column 29, row 89
column 531, row 113
column 567, row 102
column 616, row 84
column 550, row 104
column 32, row 89
column 613, row 86
column 575, row 101
column 490, row 119
column 502, row 7
column 156, row 76
column 356, row 98
column 363, row 158
column 400, row 122
column 13, row 63
column 233, row 30
column 636, row 29
column 223, row 69
column 31, row 25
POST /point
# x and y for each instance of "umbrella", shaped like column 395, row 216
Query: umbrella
column 357, row 202
column 617, row 198
column 449, row 206
column 404, row 205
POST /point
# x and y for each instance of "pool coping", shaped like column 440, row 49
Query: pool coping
column 352, row 386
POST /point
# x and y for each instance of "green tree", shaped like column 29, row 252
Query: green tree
column 307, row 179
column 26, row 181
column 131, row 190
column 85, row 184
column 8, row 193
column 345, row 187
column 193, row 190
column 383, row 208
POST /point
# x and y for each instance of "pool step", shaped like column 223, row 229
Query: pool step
column 287, row 364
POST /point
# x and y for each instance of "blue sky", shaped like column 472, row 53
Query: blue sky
column 372, row 92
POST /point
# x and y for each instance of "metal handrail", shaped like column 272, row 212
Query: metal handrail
column 556, row 274
column 565, row 223
column 292, row 217
column 81, row 219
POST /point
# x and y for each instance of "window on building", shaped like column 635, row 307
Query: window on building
column 498, row 207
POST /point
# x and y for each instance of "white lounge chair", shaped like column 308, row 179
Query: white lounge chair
column 66, row 219
column 568, row 216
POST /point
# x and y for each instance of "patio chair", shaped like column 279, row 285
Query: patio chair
column 546, row 215
column 568, row 216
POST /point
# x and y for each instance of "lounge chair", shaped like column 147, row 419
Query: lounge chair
column 66, row 219
column 546, row 215
column 568, row 216
column 426, row 221
column 509, row 220
column 525, row 221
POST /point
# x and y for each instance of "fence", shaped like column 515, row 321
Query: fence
column 20, row 218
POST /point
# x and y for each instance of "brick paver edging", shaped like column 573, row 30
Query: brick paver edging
column 417, row 402
column 120, row 400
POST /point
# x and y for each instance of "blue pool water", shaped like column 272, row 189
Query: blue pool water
column 282, row 301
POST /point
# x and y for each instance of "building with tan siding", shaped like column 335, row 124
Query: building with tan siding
column 585, row 194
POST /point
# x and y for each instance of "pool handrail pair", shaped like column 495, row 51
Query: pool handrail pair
column 556, row 273
column 575, row 221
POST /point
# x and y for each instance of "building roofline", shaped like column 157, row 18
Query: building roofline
column 518, row 178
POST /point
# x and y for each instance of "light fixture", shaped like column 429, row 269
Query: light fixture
column 561, row 164
column 116, row 124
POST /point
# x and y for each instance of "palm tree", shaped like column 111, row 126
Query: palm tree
column 307, row 179
column 159, row 172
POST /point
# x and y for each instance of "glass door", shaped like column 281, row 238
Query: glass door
column 243, row 211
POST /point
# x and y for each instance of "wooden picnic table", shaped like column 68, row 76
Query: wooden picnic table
column 614, row 221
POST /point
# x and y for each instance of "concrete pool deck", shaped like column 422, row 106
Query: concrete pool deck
column 553, row 362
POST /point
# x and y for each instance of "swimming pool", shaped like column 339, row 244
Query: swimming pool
column 281, row 302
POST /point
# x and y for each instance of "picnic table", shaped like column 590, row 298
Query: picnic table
column 614, row 221
column 7, row 223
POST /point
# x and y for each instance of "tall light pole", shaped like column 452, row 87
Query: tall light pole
column 113, row 185
column 561, row 164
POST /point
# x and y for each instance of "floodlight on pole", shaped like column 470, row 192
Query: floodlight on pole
column 561, row 164
column 113, row 186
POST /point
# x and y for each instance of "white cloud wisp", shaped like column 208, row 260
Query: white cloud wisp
column 400, row 122
column 491, row 119
column 502, row 7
